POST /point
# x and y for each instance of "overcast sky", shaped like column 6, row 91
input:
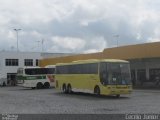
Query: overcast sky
column 79, row 26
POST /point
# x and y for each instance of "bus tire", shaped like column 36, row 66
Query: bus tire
column 69, row 89
column 33, row 88
column 39, row 85
column 64, row 89
column 46, row 85
column 97, row 90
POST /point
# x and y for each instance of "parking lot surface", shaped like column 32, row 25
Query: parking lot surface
column 18, row 100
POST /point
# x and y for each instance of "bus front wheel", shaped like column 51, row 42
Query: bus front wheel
column 97, row 90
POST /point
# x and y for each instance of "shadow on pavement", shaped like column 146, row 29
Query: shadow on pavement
column 90, row 96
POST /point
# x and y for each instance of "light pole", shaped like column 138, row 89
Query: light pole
column 43, row 40
column 116, row 36
column 17, row 37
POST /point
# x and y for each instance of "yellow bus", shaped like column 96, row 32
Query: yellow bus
column 100, row 77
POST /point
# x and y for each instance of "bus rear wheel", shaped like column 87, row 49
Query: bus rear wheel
column 46, row 85
column 69, row 88
column 97, row 91
column 39, row 85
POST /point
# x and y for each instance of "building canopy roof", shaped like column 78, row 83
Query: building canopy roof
column 139, row 51
column 148, row 50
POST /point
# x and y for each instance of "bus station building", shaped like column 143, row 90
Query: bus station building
column 144, row 60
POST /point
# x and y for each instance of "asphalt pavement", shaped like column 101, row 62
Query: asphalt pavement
column 18, row 100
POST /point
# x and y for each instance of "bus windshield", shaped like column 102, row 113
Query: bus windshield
column 115, row 73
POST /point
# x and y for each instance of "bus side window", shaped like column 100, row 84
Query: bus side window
column 103, row 73
column 111, row 75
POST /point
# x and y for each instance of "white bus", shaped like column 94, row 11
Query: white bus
column 36, row 77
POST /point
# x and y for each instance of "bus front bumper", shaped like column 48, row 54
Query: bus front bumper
column 112, row 90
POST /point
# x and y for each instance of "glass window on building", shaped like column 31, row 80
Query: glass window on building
column 28, row 62
column 133, row 76
column 11, row 78
column 11, row 62
column 141, row 75
column 37, row 62
column 154, row 75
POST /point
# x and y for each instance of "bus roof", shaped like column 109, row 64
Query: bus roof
column 37, row 67
column 28, row 67
column 92, row 61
